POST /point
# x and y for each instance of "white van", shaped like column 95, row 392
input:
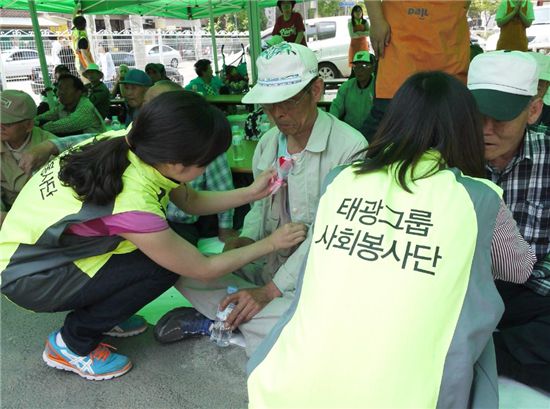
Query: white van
column 329, row 39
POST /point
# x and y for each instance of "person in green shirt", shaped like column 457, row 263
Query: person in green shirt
column 354, row 99
column 206, row 82
column 98, row 93
column 513, row 17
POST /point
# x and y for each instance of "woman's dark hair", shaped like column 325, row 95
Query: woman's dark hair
column 353, row 10
column 201, row 66
column 77, row 82
column 180, row 127
column 61, row 68
column 79, row 22
column 431, row 110
column 280, row 2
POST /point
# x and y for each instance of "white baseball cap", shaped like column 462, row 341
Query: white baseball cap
column 283, row 71
column 503, row 82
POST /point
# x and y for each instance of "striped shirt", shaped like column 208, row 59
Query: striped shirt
column 526, row 185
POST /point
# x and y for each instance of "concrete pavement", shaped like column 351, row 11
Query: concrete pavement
column 185, row 375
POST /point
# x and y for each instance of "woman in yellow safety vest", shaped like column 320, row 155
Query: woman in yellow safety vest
column 396, row 305
column 88, row 233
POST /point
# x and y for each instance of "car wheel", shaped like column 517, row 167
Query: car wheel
column 174, row 63
column 328, row 71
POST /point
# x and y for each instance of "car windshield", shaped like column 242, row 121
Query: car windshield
column 542, row 16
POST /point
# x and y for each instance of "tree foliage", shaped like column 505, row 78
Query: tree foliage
column 482, row 10
column 237, row 21
column 328, row 8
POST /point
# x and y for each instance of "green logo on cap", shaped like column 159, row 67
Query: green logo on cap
column 276, row 50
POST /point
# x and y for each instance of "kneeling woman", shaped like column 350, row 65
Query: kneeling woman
column 416, row 236
column 88, row 233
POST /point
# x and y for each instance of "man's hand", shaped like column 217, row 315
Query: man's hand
column 226, row 234
column 380, row 36
column 248, row 303
column 236, row 242
column 37, row 156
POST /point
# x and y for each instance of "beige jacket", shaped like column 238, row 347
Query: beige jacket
column 332, row 143
column 13, row 178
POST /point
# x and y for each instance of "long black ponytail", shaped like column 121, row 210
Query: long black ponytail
column 175, row 127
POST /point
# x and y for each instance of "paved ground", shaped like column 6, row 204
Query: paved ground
column 191, row 374
column 185, row 375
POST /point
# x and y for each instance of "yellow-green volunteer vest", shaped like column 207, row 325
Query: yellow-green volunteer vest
column 382, row 314
column 32, row 244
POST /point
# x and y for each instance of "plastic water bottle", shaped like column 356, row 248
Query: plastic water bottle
column 115, row 123
column 238, row 138
column 220, row 334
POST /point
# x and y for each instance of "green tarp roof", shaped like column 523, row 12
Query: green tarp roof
column 182, row 9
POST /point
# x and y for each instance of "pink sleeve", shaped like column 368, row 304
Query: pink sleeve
column 127, row 222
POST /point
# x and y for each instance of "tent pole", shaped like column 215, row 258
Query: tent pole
column 213, row 38
column 41, row 54
column 253, row 36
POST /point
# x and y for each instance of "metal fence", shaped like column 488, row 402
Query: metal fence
column 175, row 49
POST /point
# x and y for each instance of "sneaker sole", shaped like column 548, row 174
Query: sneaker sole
column 126, row 334
column 63, row 366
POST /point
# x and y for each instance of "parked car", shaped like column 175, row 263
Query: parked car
column 121, row 57
column 170, row 57
column 538, row 35
column 19, row 62
column 477, row 40
column 174, row 75
column 37, row 82
column 329, row 39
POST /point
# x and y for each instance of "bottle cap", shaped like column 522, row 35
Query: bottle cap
column 232, row 289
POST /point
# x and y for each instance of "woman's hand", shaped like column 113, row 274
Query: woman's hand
column 288, row 236
column 261, row 187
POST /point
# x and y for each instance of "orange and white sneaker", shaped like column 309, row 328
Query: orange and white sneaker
column 99, row 365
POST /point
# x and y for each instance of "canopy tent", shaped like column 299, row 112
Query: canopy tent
column 183, row 9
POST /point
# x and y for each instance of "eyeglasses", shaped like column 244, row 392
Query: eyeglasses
column 362, row 66
column 289, row 104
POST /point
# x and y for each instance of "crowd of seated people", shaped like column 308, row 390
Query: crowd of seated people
column 476, row 130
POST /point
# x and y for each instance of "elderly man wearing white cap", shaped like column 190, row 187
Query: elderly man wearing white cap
column 504, row 84
column 304, row 146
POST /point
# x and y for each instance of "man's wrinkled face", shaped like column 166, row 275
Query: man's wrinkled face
column 503, row 138
column 293, row 115
column 134, row 95
column 16, row 132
